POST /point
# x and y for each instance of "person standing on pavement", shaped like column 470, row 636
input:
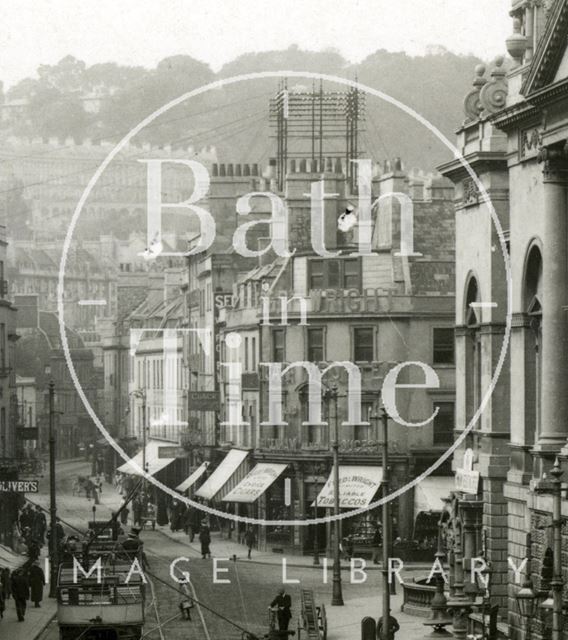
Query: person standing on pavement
column 37, row 582
column 250, row 539
column 393, row 628
column 282, row 603
column 205, row 539
column 20, row 592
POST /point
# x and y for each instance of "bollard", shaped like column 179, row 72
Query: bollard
column 368, row 629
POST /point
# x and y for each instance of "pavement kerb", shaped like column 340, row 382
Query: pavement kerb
column 276, row 559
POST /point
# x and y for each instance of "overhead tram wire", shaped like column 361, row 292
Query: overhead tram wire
column 252, row 636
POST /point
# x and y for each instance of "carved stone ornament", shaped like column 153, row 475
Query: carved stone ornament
column 470, row 192
column 494, row 94
column 530, row 142
column 472, row 102
column 555, row 162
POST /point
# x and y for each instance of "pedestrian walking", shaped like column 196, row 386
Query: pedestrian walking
column 37, row 582
column 205, row 540
column 195, row 523
column 250, row 539
column 6, row 583
column 124, row 513
column 39, row 526
column 137, row 511
column 20, row 592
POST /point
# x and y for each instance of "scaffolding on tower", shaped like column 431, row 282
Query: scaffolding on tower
column 319, row 125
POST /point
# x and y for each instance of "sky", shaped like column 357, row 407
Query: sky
column 142, row 32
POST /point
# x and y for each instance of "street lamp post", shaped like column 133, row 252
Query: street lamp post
column 386, row 526
column 337, row 595
column 526, row 597
column 54, row 560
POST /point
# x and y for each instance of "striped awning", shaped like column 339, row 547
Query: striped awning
column 430, row 492
column 153, row 461
column 225, row 477
column 255, row 483
column 357, row 487
column 193, row 478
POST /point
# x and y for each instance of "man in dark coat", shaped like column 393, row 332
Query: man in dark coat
column 37, row 581
column 39, row 526
column 250, row 539
column 282, row 603
column 20, row 592
column 393, row 628
column 205, row 539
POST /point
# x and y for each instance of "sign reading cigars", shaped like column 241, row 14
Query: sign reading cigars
column 255, row 483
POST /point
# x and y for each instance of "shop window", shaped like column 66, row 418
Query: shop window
column 443, row 340
column 315, row 345
column 363, row 344
column 444, row 423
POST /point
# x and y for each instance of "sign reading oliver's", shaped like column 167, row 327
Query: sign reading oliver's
column 19, row 486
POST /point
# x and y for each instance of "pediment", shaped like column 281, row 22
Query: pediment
column 550, row 61
column 562, row 71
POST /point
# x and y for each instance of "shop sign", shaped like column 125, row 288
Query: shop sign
column 19, row 486
column 357, row 486
column 467, row 480
column 28, row 433
column 203, row 401
column 171, row 452
column 255, row 483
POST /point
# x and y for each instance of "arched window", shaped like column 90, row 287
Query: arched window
column 532, row 297
column 473, row 356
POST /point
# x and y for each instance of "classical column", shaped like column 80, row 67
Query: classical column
column 554, row 388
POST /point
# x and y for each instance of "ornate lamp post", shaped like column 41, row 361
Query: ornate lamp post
column 440, row 617
column 554, row 601
column 527, row 599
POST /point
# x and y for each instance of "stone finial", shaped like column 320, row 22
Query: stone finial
column 472, row 104
column 493, row 94
column 517, row 43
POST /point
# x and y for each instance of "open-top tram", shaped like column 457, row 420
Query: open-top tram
column 107, row 604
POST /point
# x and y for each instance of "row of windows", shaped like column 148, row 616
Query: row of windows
column 363, row 345
column 335, row 274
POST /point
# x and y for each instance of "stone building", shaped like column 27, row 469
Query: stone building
column 515, row 140
column 375, row 310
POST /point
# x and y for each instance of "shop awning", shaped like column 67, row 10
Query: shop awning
column 226, row 476
column 153, row 462
column 357, row 486
column 255, row 483
column 430, row 492
column 193, row 478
